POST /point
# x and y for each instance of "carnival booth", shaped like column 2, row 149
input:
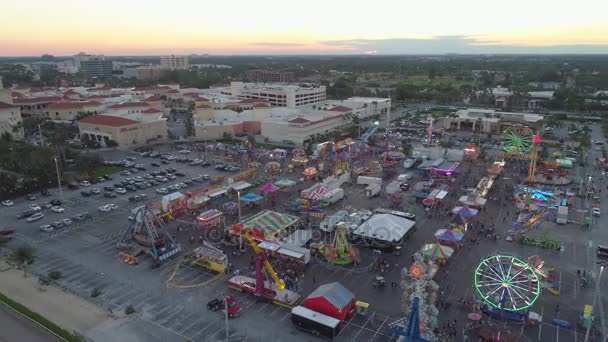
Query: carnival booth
column 251, row 200
column 230, row 209
column 267, row 224
column 448, row 237
column 437, row 252
column 333, row 300
column 197, row 200
column 310, row 173
column 273, row 168
column 471, row 152
column 285, row 183
column 174, row 203
column 315, row 192
column 279, row 153
column 298, row 152
column 210, row 219
column 269, row 188
column 299, row 160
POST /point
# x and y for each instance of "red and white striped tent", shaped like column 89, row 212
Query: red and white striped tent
column 316, row 192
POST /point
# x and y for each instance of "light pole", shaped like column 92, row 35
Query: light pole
column 226, row 308
column 58, row 178
column 205, row 142
column 238, row 195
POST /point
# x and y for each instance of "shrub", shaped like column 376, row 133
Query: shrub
column 95, row 293
column 129, row 310
column 54, row 275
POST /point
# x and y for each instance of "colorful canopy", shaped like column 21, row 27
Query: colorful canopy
column 437, row 251
column 269, row 188
column 297, row 151
column 272, row 165
column 251, row 197
column 270, row 222
column 448, row 235
column 283, row 183
column 465, row 211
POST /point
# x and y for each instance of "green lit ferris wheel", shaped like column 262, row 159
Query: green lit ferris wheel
column 507, row 283
column 518, row 144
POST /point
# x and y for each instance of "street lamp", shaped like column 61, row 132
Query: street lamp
column 595, row 297
column 58, row 178
column 238, row 195
column 205, row 142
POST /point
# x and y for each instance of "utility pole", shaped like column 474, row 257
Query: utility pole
column 205, row 142
column 226, row 308
column 238, row 194
column 595, row 300
column 58, row 178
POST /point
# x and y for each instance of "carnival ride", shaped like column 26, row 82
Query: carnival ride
column 507, row 283
column 260, row 287
column 370, row 131
column 523, row 145
column 339, row 251
column 146, row 233
column 210, row 257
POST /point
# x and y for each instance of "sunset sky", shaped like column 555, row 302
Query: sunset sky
column 138, row 27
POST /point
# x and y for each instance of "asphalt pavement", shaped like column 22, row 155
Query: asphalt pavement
column 14, row 327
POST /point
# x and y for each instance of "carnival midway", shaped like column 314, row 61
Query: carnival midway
column 366, row 238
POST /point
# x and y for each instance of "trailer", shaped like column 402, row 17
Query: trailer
column 366, row 180
column 210, row 257
column 315, row 323
column 562, row 215
column 330, row 222
column 332, row 197
column 372, row 190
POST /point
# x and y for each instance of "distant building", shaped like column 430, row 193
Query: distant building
column 69, row 110
column 269, row 76
column 96, row 68
column 35, row 106
column 546, row 85
column 10, row 117
column 84, row 57
column 490, row 120
column 290, row 96
column 174, row 62
column 121, row 129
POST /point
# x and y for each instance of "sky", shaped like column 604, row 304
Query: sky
column 154, row 27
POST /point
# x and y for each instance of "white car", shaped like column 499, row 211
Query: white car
column 35, row 217
column 184, row 152
column 105, row 209
column 85, row 183
column 35, row 207
column 596, row 211
column 120, row 191
column 66, row 222
column 112, row 206
column 46, row 228
column 162, row 191
column 95, row 191
column 8, row 203
column 57, row 209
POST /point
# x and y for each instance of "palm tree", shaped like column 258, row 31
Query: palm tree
column 24, row 255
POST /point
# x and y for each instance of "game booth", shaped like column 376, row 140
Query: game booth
column 210, row 219
column 267, row 224
column 448, row 237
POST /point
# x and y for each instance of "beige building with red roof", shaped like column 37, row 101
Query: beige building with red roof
column 10, row 118
column 35, row 106
column 69, row 110
column 124, row 131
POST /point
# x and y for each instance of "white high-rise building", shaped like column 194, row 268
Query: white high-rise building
column 83, row 57
column 174, row 62
column 290, row 96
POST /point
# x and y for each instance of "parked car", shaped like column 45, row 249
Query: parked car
column 25, row 214
column 205, row 163
column 57, row 224
column 56, row 202
column 45, row 193
column 108, row 188
column 205, row 177
column 155, row 164
column 57, row 209
column 66, row 222
column 219, row 166
column 95, row 191
column 108, row 177
column 35, row 217
column 109, row 195
column 179, row 173
column 104, row 209
column 35, row 207
column 120, row 191
column 30, row 197
column 85, row 183
column 162, row 191
column 85, row 193
column 596, row 211
column 8, row 203
column 47, row 228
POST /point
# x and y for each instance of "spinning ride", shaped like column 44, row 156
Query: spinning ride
column 507, row 283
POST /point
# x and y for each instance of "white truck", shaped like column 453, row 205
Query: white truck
column 372, row 190
column 333, row 196
column 366, row 180
column 393, row 187
column 408, row 163
column 330, row 222
column 404, row 177
column 562, row 215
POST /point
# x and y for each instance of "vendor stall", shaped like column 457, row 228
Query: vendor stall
column 448, row 237
column 269, row 223
column 436, row 251
column 285, row 183
column 251, row 199
column 209, row 219
column 316, row 192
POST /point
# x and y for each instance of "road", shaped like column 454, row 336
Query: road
column 16, row 328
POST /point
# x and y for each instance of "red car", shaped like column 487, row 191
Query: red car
column 7, row 232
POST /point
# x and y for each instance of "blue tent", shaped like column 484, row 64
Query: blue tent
column 251, row 197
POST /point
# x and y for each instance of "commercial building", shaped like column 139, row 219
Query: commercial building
column 490, row 120
column 96, row 68
column 122, row 130
column 301, row 130
column 10, row 120
column 268, row 76
column 69, row 110
column 35, row 106
column 290, row 96
column 174, row 62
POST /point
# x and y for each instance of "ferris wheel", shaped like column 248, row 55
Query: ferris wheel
column 507, row 283
column 518, row 144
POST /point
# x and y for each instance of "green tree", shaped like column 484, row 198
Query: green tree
column 24, row 255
